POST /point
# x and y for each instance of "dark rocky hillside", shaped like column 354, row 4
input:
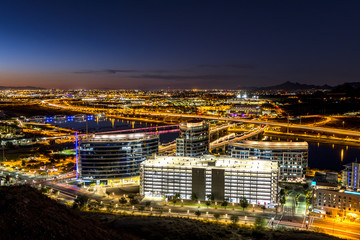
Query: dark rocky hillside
column 27, row 214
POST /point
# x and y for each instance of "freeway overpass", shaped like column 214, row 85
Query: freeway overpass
column 171, row 146
column 224, row 140
column 269, row 123
column 276, row 124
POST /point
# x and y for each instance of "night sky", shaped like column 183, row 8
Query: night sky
column 178, row 44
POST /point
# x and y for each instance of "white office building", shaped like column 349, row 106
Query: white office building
column 223, row 177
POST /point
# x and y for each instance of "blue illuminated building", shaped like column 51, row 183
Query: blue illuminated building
column 114, row 158
column 350, row 176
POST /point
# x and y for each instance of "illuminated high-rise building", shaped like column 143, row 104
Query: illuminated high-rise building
column 193, row 140
column 111, row 158
column 291, row 156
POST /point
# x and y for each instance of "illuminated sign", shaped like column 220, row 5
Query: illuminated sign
column 355, row 193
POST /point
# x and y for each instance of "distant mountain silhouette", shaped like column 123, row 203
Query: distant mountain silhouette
column 290, row 86
column 347, row 89
column 21, row 88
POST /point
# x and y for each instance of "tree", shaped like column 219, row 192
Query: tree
column 210, row 197
column 175, row 197
column 297, row 199
column 282, row 200
column 234, row 219
column 194, row 197
column 9, row 145
column 99, row 204
column 45, row 190
column 122, row 201
column 207, row 203
column 217, row 216
column 259, row 223
column 244, row 203
column 198, row 214
column 141, row 208
column 108, row 193
column 147, row 204
column 110, row 207
column 263, row 208
column 282, row 192
column 224, row 204
column 134, row 201
column 81, row 202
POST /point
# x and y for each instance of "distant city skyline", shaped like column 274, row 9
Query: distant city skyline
column 178, row 44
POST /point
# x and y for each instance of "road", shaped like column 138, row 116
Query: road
column 237, row 120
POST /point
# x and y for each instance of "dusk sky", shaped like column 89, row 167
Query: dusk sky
column 178, row 44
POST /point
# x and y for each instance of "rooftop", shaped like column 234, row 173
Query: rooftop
column 118, row 137
column 271, row 145
column 210, row 161
column 193, row 124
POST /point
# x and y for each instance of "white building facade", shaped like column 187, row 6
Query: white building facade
column 224, row 178
column 291, row 156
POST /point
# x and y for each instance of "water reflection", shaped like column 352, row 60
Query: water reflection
column 330, row 156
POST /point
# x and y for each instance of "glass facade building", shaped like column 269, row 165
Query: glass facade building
column 351, row 176
column 291, row 156
column 194, row 139
column 223, row 177
column 107, row 158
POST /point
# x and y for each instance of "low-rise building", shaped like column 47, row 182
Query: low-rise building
column 222, row 177
column 325, row 180
column 335, row 202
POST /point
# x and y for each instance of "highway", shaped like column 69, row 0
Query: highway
column 237, row 120
column 297, row 126
column 232, row 137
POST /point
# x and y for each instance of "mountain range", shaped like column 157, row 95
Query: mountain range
column 291, row 86
column 21, row 88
